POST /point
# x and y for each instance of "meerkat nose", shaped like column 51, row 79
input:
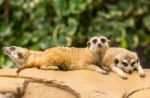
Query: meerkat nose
column 130, row 72
column 99, row 45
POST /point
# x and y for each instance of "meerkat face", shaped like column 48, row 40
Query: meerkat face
column 127, row 62
column 98, row 43
column 17, row 54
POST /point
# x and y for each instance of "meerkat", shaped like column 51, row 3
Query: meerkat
column 69, row 58
column 121, row 60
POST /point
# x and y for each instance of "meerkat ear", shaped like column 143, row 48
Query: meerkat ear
column 88, row 44
column 116, row 61
column 109, row 42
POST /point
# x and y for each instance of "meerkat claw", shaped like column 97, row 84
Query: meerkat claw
column 18, row 70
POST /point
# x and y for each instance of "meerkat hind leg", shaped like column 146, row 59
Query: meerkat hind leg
column 119, row 72
column 98, row 69
column 43, row 67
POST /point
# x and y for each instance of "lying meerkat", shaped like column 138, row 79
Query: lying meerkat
column 69, row 58
column 121, row 60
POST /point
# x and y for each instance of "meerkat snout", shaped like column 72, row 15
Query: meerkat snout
column 6, row 50
column 17, row 54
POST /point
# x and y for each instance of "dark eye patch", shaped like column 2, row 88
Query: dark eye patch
column 132, row 64
column 12, row 48
column 20, row 54
column 94, row 41
column 103, row 40
column 125, row 64
column 116, row 61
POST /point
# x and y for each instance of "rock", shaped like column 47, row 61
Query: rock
column 35, row 83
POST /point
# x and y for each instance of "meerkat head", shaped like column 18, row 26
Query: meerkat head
column 98, row 43
column 127, row 61
column 17, row 54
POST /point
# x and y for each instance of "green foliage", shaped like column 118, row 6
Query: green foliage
column 39, row 24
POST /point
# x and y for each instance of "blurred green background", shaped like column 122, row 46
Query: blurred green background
column 40, row 24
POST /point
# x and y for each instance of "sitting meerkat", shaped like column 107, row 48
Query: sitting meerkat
column 69, row 58
column 121, row 60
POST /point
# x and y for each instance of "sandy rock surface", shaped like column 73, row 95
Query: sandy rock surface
column 35, row 83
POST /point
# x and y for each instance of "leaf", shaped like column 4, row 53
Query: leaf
column 61, row 7
column 147, row 22
column 124, row 43
column 5, row 29
column 24, row 39
column 17, row 2
column 1, row 1
column 45, row 42
column 72, row 26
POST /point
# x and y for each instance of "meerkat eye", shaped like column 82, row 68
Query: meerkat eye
column 94, row 41
column 125, row 64
column 12, row 48
column 132, row 64
column 103, row 40
column 20, row 54
column 116, row 61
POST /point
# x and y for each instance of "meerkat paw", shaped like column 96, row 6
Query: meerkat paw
column 105, row 68
column 140, row 71
column 123, row 76
column 98, row 69
column 52, row 68
column 49, row 67
column 18, row 70
column 104, row 72
column 142, row 74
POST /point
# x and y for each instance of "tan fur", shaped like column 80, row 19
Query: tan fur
column 122, row 55
column 69, row 58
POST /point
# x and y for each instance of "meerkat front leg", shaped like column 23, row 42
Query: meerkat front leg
column 119, row 72
column 105, row 68
column 23, row 67
column 140, row 70
column 98, row 69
